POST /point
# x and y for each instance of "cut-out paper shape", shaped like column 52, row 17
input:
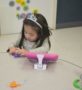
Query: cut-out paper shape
column 22, row 6
column 20, row 16
column 25, row 8
column 28, row 1
column 17, row 14
column 21, row 2
column 11, row 3
column 18, row 8
column 17, row 1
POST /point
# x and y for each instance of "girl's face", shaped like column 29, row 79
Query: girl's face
column 30, row 33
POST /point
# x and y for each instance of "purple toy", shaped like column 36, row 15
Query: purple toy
column 16, row 55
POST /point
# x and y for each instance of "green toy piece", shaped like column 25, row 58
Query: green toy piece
column 76, row 84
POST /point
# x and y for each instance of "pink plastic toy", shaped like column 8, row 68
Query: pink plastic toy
column 47, row 56
column 40, row 57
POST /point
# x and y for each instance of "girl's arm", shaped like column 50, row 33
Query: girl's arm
column 13, row 46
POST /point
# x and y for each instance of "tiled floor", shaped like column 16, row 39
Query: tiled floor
column 58, row 76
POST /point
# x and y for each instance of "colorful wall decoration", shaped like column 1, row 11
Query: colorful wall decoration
column 22, row 6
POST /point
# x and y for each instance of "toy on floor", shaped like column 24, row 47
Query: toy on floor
column 16, row 55
column 47, row 56
column 78, row 83
column 41, row 57
column 14, row 84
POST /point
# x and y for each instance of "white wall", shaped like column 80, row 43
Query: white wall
column 47, row 8
column 9, row 22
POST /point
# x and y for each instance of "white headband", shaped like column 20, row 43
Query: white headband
column 31, row 17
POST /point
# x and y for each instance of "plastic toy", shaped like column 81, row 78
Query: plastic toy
column 76, row 84
column 16, row 55
column 47, row 56
column 41, row 57
column 14, row 84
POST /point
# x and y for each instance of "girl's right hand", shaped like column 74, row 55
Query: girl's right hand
column 12, row 50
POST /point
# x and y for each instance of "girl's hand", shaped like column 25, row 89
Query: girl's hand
column 21, row 52
column 18, row 51
column 12, row 50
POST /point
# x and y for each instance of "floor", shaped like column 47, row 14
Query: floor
column 67, row 43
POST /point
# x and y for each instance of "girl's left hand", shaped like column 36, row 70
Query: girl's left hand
column 23, row 52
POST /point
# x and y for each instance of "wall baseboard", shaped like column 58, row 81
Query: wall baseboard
column 67, row 25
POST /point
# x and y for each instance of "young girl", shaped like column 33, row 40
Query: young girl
column 34, row 37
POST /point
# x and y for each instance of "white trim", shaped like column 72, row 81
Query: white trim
column 54, row 12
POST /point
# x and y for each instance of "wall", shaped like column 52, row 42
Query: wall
column 69, row 13
column 9, row 22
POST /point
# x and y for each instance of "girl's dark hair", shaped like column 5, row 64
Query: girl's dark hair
column 43, row 32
